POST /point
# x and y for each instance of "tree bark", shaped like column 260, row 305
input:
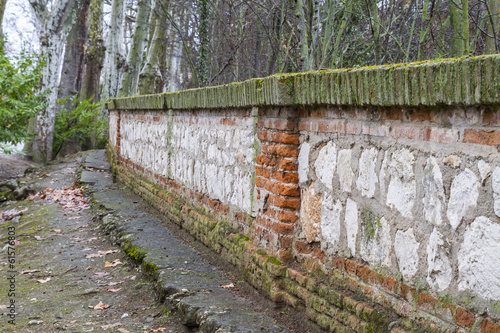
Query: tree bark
column 55, row 25
column 203, row 61
column 493, row 14
column 459, row 19
column 3, row 3
column 114, row 60
column 136, row 53
column 151, row 78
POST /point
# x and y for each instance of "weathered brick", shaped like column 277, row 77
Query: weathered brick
column 484, row 137
column 487, row 326
column 421, row 115
column 286, row 190
column 282, row 228
column 288, row 165
column 464, row 317
column 286, row 177
column 289, row 139
column 392, row 114
column 263, row 172
column 441, row 135
column 491, row 117
column 286, row 216
column 333, row 126
column 286, row 242
column 406, row 132
column 286, row 151
column 290, row 203
column 303, row 247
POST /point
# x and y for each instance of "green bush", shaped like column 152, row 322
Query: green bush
column 20, row 98
column 82, row 121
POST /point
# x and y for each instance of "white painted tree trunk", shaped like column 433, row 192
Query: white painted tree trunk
column 136, row 53
column 174, row 77
column 115, row 60
column 54, row 25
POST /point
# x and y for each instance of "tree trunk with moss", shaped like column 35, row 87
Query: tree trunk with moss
column 203, row 60
column 493, row 20
column 459, row 19
column 55, row 23
column 3, row 3
column 151, row 77
column 114, row 60
column 136, row 53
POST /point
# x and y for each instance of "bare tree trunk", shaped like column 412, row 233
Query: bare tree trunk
column 459, row 19
column 73, row 68
column 151, row 79
column 136, row 53
column 375, row 25
column 94, row 56
column 54, row 25
column 3, row 3
column 203, row 60
column 114, row 59
column 493, row 14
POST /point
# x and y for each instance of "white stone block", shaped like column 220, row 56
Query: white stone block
column 344, row 170
column 433, row 192
column 484, row 170
column 330, row 220
column 479, row 259
column 351, row 224
column 439, row 271
column 304, row 162
column 325, row 164
column 402, row 187
column 464, row 193
column 495, row 182
column 367, row 179
column 406, row 249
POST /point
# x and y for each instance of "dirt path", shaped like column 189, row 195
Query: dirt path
column 55, row 274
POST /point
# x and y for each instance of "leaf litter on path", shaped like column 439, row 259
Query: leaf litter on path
column 100, row 254
column 113, row 264
column 71, row 198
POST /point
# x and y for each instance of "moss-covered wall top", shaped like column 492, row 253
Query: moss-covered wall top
column 464, row 81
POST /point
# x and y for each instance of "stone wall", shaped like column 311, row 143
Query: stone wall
column 379, row 186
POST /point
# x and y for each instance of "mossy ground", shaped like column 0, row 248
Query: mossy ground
column 63, row 240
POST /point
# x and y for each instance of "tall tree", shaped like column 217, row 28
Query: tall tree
column 203, row 35
column 73, row 66
column 3, row 3
column 136, row 53
column 114, row 59
column 152, row 74
column 55, row 22
column 493, row 20
column 459, row 19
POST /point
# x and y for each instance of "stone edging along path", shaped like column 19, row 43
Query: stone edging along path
column 185, row 281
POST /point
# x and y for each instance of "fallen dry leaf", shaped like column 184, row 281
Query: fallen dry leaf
column 100, row 254
column 44, row 281
column 114, row 290
column 90, row 323
column 39, row 238
column 99, row 275
column 89, row 268
column 111, row 326
column 227, row 286
column 114, row 283
column 57, row 230
column 159, row 329
column 11, row 213
column 30, row 271
column 101, row 306
column 113, row 264
column 122, row 330
column 74, row 217
column 71, row 198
